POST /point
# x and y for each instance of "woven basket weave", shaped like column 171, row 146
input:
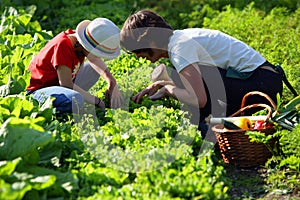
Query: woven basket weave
column 235, row 146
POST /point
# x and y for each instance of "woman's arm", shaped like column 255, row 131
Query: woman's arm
column 193, row 94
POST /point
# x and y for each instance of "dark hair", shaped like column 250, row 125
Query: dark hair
column 142, row 28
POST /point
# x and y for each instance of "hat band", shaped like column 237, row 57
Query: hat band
column 96, row 45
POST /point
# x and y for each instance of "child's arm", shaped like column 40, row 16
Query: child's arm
column 65, row 80
column 116, row 99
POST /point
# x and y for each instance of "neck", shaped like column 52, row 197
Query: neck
column 73, row 39
column 78, row 49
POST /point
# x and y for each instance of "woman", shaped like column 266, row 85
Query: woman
column 215, row 70
column 59, row 70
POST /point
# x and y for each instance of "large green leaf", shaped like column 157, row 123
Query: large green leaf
column 13, row 191
column 17, row 106
column 20, row 137
column 8, row 167
column 65, row 181
column 23, row 183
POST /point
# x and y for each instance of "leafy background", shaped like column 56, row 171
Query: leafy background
column 44, row 156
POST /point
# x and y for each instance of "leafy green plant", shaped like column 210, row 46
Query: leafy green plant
column 284, row 177
column 148, row 152
column 26, row 140
column 20, row 40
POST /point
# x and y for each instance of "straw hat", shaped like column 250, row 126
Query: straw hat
column 100, row 37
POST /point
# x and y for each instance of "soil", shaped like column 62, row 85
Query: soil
column 250, row 184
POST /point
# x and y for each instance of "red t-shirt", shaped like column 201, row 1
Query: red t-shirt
column 58, row 51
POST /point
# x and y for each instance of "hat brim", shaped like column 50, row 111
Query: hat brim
column 82, row 40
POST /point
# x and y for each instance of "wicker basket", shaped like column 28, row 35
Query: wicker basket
column 235, row 145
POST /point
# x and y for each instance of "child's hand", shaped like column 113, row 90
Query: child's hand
column 114, row 96
column 100, row 104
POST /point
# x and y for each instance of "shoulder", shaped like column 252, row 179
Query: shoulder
column 193, row 36
column 62, row 41
column 179, row 40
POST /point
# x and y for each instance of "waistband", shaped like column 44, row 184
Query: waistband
column 268, row 66
column 280, row 71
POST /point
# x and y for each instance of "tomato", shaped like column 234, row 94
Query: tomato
column 259, row 124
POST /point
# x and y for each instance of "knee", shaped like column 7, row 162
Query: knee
column 68, row 103
column 77, row 101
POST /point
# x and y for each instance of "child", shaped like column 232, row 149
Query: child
column 59, row 70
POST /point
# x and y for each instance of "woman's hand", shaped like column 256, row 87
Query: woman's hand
column 150, row 90
column 162, row 93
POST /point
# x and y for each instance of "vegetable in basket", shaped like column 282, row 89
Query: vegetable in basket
column 287, row 116
column 239, row 123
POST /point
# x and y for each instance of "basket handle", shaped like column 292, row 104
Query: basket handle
column 254, row 106
column 257, row 93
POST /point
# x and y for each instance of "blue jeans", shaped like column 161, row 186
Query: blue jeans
column 68, row 100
